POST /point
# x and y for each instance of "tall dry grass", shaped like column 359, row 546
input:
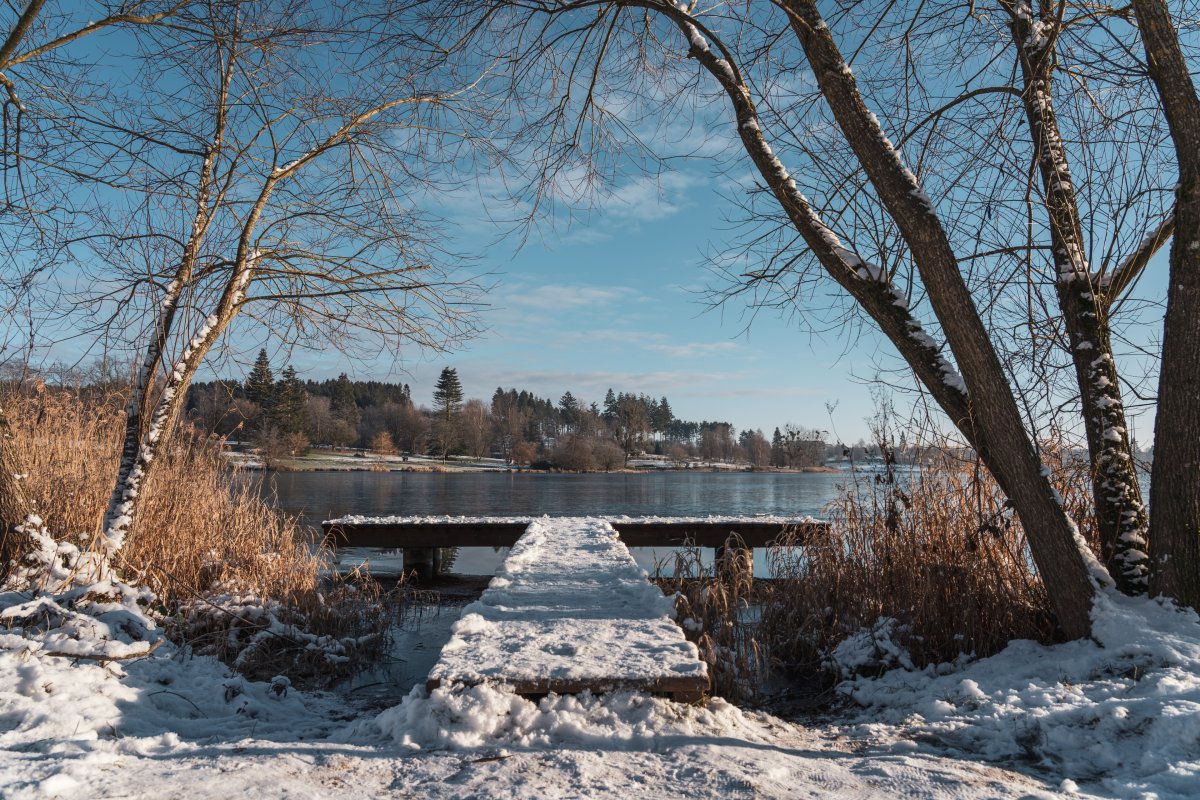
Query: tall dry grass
column 938, row 551
column 224, row 565
column 914, row 569
column 717, row 609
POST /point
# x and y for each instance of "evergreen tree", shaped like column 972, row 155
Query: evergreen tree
column 665, row 416
column 569, row 409
column 260, row 383
column 610, row 407
column 289, row 406
column 447, row 401
column 342, row 403
column 447, row 393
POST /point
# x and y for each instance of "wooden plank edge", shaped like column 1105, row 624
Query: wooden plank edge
column 684, row 688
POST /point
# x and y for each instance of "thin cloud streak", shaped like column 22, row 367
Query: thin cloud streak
column 692, row 349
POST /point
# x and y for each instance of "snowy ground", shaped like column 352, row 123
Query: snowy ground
column 1116, row 717
column 165, row 728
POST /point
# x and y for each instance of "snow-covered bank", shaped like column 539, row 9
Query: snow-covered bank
column 1117, row 717
column 1121, row 714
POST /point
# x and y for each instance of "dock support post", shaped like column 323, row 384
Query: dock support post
column 421, row 561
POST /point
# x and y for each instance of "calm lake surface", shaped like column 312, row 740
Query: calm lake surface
column 317, row 496
column 324, row 495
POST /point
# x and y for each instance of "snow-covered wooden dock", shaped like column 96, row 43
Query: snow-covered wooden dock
column 421, row 537
column 571, row 611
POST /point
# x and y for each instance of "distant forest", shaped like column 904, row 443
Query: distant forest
column 283, row 413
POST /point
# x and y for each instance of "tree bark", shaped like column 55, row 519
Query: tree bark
column 144, row 443
column 982, row 405
column 14, row 504
column 1009, row 454
column 1175, row 489
column 1120, row 513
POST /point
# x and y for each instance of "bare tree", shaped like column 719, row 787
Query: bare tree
column 1175, row 497
column 264, row 165
column 903, row 266
column 34, row 37
column 476, row 423
column 1085, row 299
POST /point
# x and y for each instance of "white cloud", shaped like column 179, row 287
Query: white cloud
column 776, row 391
column 692, row 349
column 557, row 297
column 648, row 199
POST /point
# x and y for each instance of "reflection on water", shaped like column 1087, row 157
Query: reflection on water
column 317, row 496
column 322, row 495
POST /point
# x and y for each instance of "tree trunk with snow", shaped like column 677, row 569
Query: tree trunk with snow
column 14, row 505
column 980, row 402
column 1084, row 301
column 1006, row 448
column 148, row 435
column 1175, row 489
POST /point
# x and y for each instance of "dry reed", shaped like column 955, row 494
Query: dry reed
column 938, row 551
column 925, row 567
column 224, row 565
column 717, row 611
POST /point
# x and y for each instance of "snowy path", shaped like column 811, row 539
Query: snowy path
column 570, row 610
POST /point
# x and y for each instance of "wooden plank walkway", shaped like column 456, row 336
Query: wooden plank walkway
column 571, row 611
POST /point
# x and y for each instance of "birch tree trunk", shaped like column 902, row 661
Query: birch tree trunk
column 1175, row 488
column 1120, row 513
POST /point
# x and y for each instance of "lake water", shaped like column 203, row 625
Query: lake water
column 317, row 496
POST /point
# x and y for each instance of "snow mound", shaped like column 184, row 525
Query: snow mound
column 62, row 601
column 1121, row 712
column 83, row 662
column 463, row 717
column 870, row 649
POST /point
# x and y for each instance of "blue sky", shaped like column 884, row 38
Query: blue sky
column 614, row 299
column 617, row 299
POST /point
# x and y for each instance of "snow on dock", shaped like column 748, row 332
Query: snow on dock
column 570, row 611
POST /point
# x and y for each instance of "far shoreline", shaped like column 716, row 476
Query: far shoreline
column 354, row 462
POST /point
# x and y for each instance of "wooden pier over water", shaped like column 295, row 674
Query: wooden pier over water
column 570, row 611
column 420, row 538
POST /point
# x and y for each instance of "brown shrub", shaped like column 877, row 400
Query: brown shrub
column 932, row 562
column 206, row 540
column 715, row 609
column 938, row 551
